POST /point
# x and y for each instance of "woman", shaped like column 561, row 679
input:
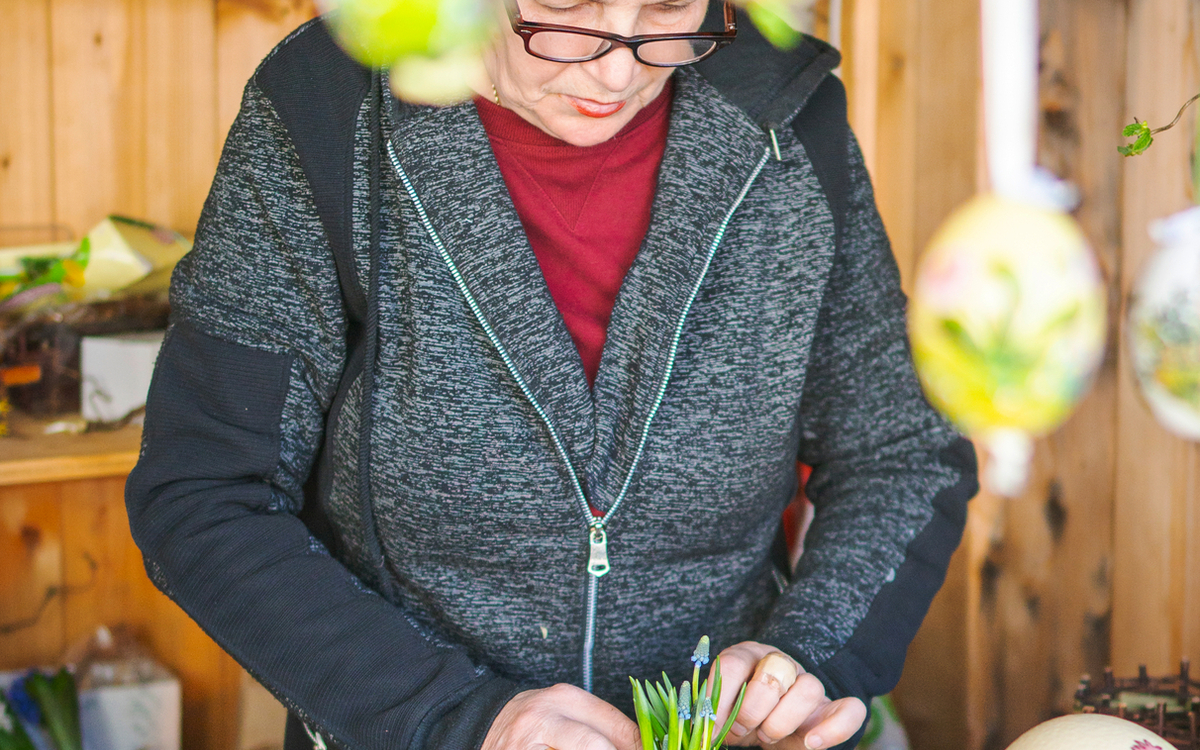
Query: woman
column 566, row 486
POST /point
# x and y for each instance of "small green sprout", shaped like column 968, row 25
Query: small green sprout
column 684, row 719
column 1142, row 134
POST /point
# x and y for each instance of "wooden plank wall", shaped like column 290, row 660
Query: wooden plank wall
column 1156, row 586
column 123, row 105
column 68, row 564
column 115, row 106
column 1098, row 562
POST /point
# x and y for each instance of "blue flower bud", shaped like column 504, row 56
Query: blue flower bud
column 700, row 655
column 685, row 710
column 705, row 711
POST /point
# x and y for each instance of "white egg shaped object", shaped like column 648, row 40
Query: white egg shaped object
column 1164, row 325
column 1090, row 732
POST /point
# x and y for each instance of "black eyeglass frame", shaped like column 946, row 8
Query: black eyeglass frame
column 527, row 29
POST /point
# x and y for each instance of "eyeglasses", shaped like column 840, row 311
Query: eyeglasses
column 570, row 44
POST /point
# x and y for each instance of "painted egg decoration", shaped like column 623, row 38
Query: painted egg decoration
column 1090, row 732
column 1164, row 325
column 1007, row 324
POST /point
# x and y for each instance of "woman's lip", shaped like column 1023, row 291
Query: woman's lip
column 593, row 108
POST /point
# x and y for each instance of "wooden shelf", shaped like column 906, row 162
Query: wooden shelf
column 29, row 456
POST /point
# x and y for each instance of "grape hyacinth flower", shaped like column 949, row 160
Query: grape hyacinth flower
column 684, row 719
column 685, row 710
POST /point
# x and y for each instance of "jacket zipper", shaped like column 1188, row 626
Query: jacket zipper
column 598, row 564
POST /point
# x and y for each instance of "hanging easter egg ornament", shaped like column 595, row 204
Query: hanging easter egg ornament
column 1007, row 324
column 1164, row 313
column 433, row 48
column 1164, row 325
column 1090, row 732
column 1007, row 318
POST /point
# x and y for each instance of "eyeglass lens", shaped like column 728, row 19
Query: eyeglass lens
column 568, row 47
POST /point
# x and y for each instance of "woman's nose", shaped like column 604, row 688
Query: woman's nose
column 615, row 71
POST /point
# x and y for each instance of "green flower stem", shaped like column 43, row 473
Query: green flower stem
column 674, row 735
column 732, row 716
column 694, row 740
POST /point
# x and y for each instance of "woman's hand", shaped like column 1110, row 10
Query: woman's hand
column 784, row 707
column 561, row 717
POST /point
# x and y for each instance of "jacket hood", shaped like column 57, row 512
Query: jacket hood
column 770, row 84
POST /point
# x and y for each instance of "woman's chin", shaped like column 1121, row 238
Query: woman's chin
column 580, row 129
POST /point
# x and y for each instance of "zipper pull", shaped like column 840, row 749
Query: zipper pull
column 775, row 144
column 317, row 740
column 598, row 561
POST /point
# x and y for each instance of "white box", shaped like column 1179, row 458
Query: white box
column 142, row 716
column 131, row 717
column 115, row 373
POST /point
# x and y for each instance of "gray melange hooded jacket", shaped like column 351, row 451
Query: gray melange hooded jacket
column 747, row 334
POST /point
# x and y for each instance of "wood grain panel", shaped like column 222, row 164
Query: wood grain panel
column 246, row 30
column 99, row 88
column 179, row 118
column 96, row 535
column 1157, row 488
column 1042, row 561
column 926, row 155
column 96, row 528
column 946, row 103
column 896, row 109
column 930, row 696
column 860, row 71
column 31, row 576
column 1082, row 104
column 26, row 157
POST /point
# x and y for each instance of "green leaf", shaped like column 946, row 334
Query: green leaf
column 716, row 691
column 641, row 708
column 732, row 716
column 84, row 253
column 666, row 704
column 59, row 703
column 674, row 735
column 14, row 738
column 658, row 711
column 1139, row 131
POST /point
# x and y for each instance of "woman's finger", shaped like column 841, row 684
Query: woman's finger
column 833, row 723
column 774, row 674
column 778, row 670
column 737, row 667
column 805, row 698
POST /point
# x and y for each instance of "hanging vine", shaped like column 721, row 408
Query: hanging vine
column 1142, row 134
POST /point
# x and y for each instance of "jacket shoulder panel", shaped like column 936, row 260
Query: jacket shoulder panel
column 317, row 91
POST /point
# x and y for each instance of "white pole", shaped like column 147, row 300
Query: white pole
column 1010, row 84
column 835, row 23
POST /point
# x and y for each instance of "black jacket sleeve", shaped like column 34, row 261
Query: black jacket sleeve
column 234, row 419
